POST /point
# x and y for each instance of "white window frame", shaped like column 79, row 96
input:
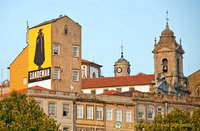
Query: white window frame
column 75, row 51
column 118, row 114
column 56, row 49
column 99, row 113
column 150, row 111
column 56, row 73
column 160, row 111
column 66, row 106
column 109, row 114
column 52, row 109
column 79, row 110
column 89, row 112
column 75, row 75
column 141, row 109
column 128, row 115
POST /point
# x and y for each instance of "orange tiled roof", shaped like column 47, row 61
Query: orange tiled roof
column 86, row 61
column 117, row 81
column 110, row 92
column 23, row 90
column 4, row 86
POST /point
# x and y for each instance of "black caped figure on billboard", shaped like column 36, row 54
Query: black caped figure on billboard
column 39, row 50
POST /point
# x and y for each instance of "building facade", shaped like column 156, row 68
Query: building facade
column 52, row 58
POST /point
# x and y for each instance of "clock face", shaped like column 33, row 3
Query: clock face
column 119, row 69
column 129, row 70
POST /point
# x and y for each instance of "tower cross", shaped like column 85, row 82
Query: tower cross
column 122, row 51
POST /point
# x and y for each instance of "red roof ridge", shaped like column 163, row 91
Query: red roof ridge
column 118, row 81
column 3, row 86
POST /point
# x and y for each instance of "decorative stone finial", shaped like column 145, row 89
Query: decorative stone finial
column 167, row 19
column 155, row 40
column 180, row 42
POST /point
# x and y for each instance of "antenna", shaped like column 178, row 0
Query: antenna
column 27, row 28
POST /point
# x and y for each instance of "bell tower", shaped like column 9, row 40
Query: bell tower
column 168, row 64
column 122, row 66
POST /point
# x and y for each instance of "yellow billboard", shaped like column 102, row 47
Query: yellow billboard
column 39, row 57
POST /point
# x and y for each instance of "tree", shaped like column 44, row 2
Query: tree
column 177, row 120
column 196, row 119
column 19, row 112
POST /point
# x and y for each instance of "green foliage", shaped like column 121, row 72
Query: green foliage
column 196, row 119
column 176, row 120
column 18, row 112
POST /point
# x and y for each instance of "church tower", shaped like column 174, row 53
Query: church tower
column 122, row 66
column 168, row 64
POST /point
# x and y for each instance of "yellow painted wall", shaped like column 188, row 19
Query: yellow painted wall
column 33, row 33
column 19, row 70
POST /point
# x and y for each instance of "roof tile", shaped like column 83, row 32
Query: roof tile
column 117, row 81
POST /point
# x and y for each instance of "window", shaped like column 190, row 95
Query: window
column 178, row 66
column 118, row 115
column 160, row 110
column 51, row 109
column 79, row 111
column 150, row 112
column 99, row 113
column 80, row 129
column 99, row 130
column 56, row 49
column 89, row 129
column 169, row 109
column 56, row 73
column 65, row 110
column 65, row 129
column 89, row 112
column 109, row 114
column 93, row 92
column 128, row 115
column 131, row 89
column 140, row 111
column 105, row 90
column 75, row 75
column 119, row 89
column 65, row 30
column 25, row 80
column 165, row 64
column 93, row 75
column 75, row 51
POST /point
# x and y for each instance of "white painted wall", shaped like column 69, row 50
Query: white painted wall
column 43, row 83
column 143, row 88
column 86, row 91
column 99, row 91
column 125, row 89
column 95, row 70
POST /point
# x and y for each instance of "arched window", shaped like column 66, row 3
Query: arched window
column 93, row 75
column 165, row 65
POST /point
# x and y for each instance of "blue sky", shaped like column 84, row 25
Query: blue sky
column 106, row 24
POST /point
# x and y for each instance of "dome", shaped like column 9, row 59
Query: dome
column 121, row 60
column 167, row 31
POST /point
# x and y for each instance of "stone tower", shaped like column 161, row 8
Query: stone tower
column 168, row 64
column 122, row 66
